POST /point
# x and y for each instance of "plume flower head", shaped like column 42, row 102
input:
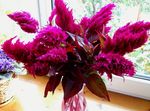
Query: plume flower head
column 128, row 38
column 64, row 18
column 38, row 68
column 55, row 55
column 26, row 22
column 113, row 64
column 99, row 21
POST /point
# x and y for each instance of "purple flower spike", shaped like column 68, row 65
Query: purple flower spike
column 6, row 63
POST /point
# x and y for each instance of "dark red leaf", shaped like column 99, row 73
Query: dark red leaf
column 96, row 85
column 71, row 86
column 52, row 83
column 93, row 38
column 96, row 50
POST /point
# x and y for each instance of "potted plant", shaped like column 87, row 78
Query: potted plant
column 76, row 54
column 7, row 67
column 8, row 70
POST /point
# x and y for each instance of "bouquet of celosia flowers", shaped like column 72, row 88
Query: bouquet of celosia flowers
column 76, row 53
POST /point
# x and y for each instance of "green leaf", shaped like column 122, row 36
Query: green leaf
column 96, row 85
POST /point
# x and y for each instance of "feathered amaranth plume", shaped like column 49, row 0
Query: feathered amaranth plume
column 127, row 38
column 48, row 38
column 18, row 50
column 26, row 22
column 38, row 68
column 113, row 64
column 55, row 55
column 64, row 18
column 99, row 20
column 85, row 21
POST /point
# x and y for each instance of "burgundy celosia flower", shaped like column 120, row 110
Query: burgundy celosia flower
column 48, row 38
column 38, row 68
column 55, row 55
column 113, row 64
column 51, row 35
column 18, row 50
column 64, row 18
column 26, row 22
column 127, row 38
column 99, row 20
column 85, row 23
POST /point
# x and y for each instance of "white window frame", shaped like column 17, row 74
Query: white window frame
column 129, row 86
column 45, row 7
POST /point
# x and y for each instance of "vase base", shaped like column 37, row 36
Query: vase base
column 6, row 102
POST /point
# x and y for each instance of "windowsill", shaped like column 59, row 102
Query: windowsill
column 130, row 86
column 29, row 97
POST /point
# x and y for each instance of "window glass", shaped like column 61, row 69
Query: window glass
column 45, row 7
column 125, row 11
column 8, row 28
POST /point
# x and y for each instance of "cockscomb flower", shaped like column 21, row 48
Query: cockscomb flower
column 127, row 38
column 26, row 22
column 99, row 20
column 38, row 68
column 51, row 35
column 55, row 55
column 18, row 50
column 113, row 64
column 85, row 23
column 64, row 18
column 48, row 38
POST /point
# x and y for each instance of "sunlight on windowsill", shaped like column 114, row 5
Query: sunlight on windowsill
column 30, row 98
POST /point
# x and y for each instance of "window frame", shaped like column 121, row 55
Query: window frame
column 129, row 86
column 45, row 8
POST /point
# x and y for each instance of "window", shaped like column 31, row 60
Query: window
column 44, row 10
column 125, row 11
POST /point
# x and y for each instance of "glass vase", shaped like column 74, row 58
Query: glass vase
column 75, row 103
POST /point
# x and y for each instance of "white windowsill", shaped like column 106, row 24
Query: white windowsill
column 130, row 86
